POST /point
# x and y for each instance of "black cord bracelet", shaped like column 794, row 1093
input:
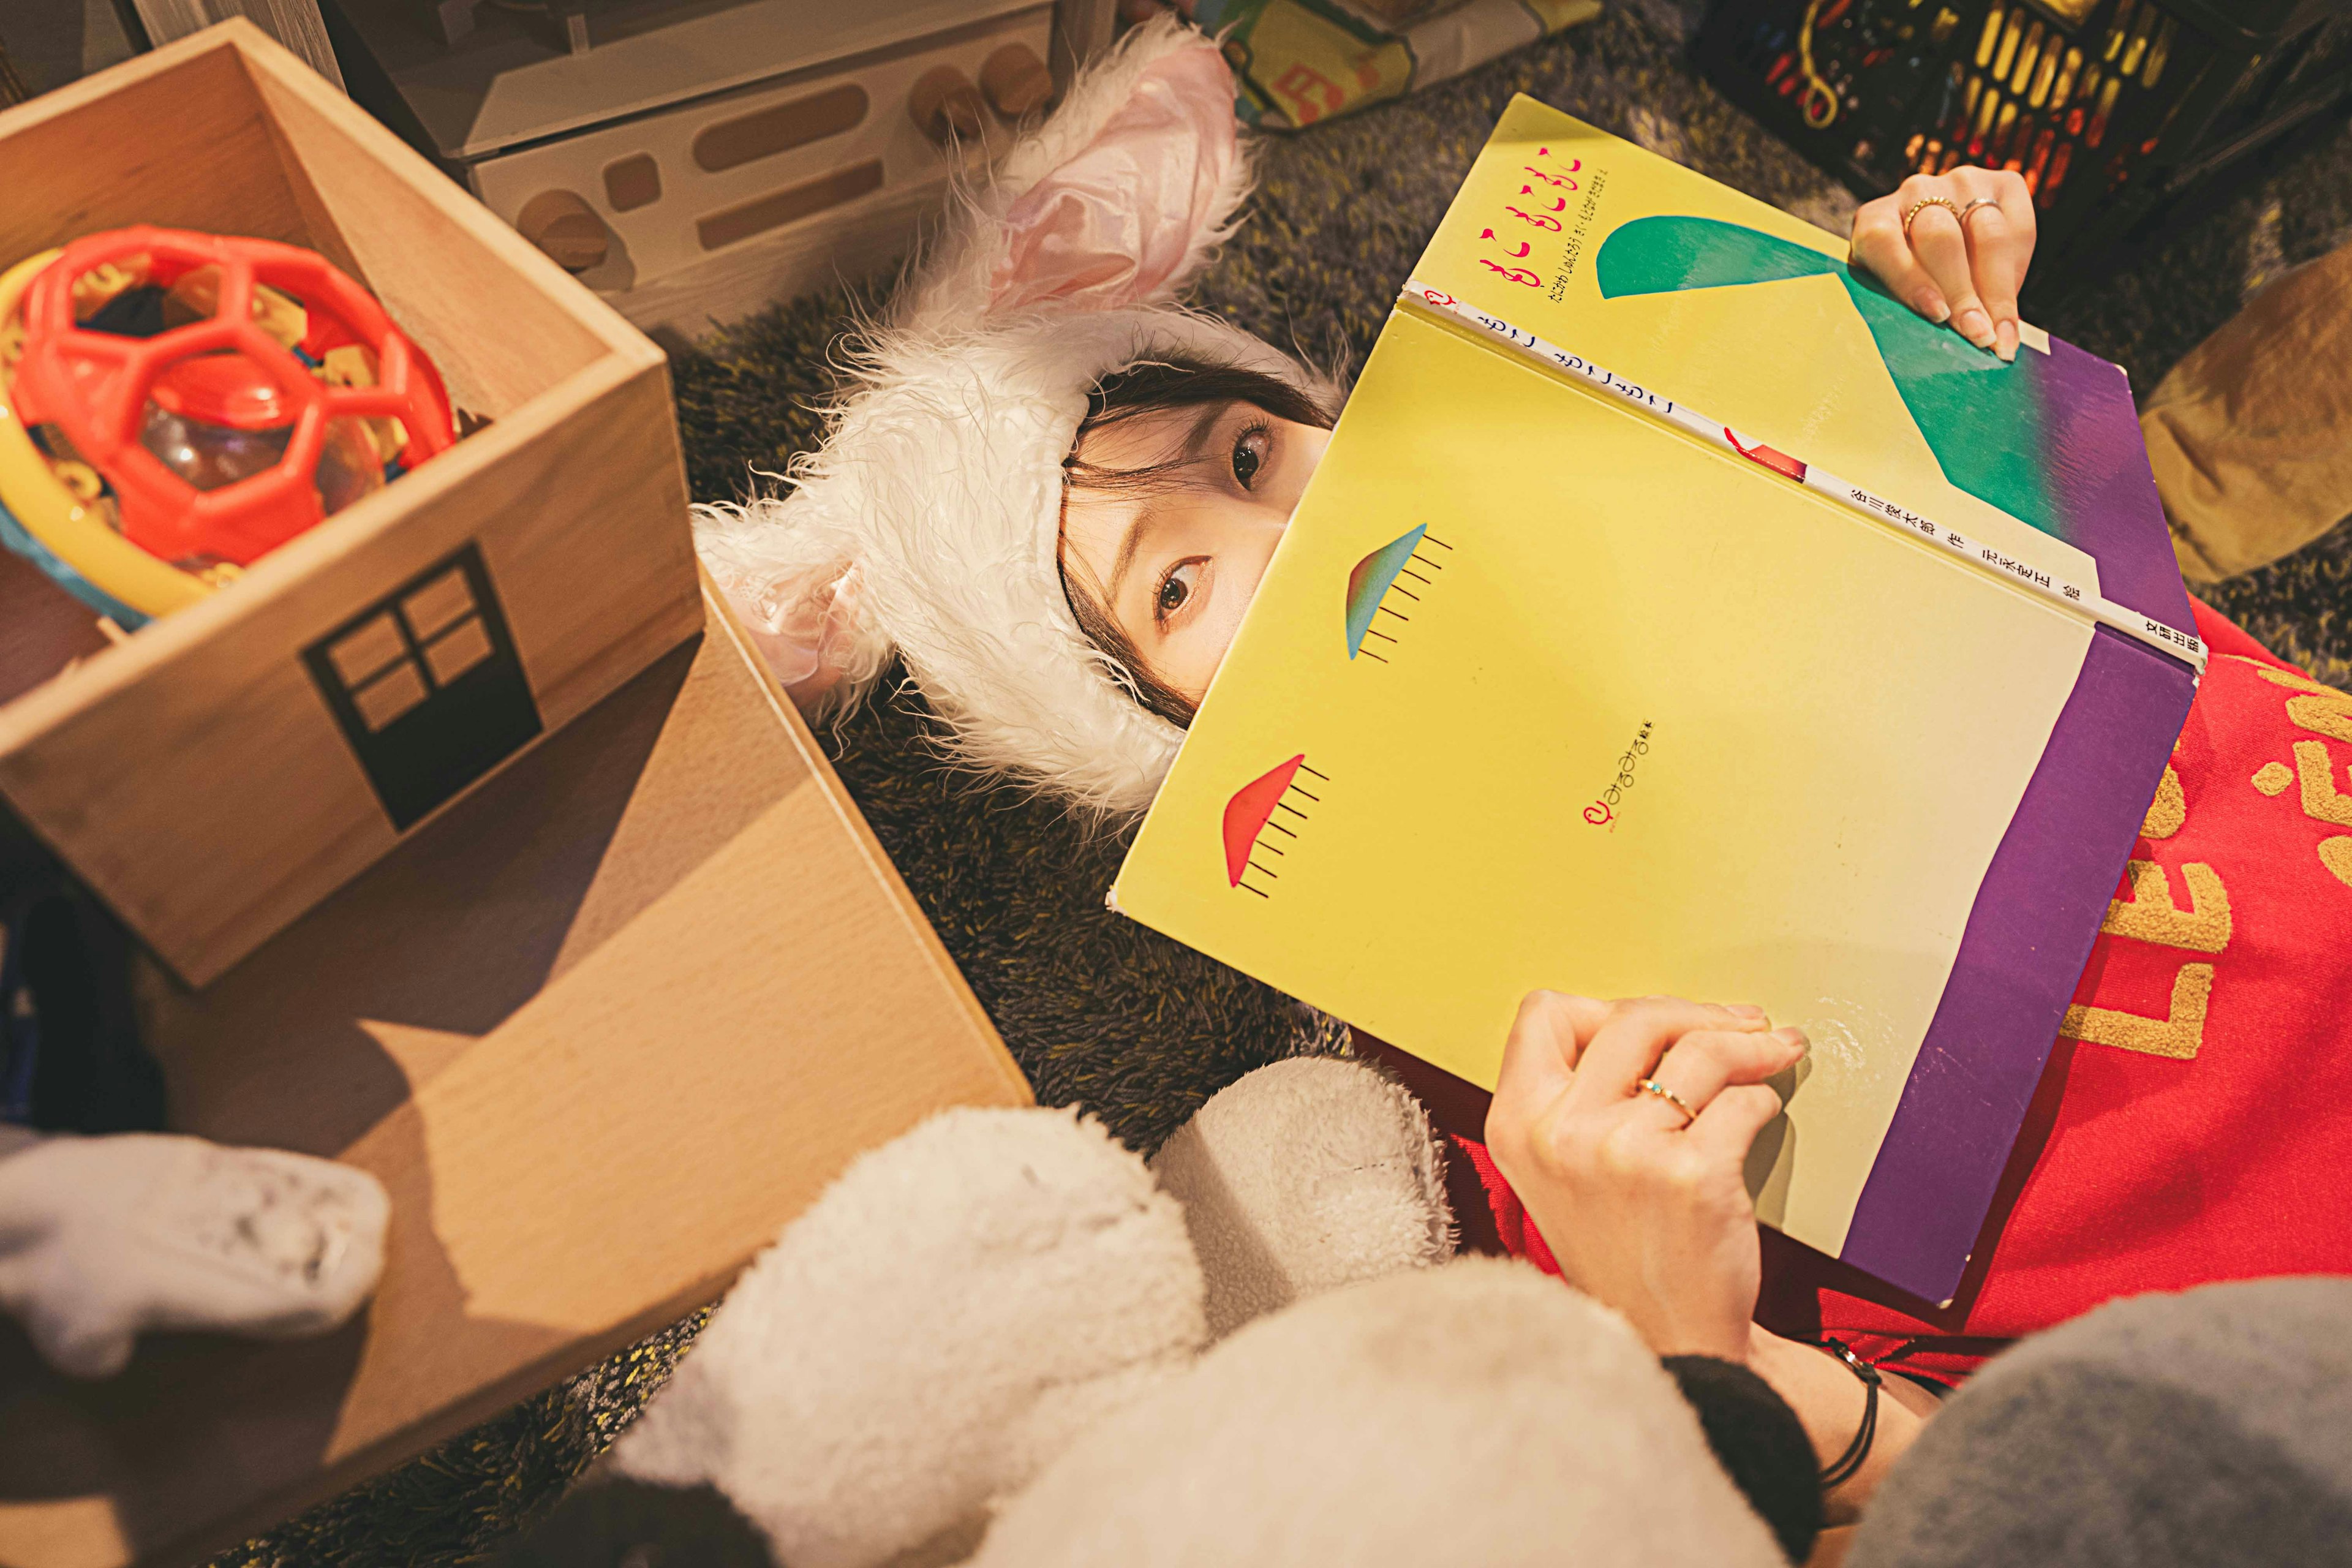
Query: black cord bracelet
column 1842, row 1469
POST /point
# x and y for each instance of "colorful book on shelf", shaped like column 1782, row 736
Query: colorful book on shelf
column 1674, row 612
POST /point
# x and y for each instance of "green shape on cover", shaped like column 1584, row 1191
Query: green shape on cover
column 1665, row 255
column 1981, row 418
column 1371, row 580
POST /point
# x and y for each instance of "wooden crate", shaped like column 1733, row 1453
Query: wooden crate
column 602, row 1029
column 213, row 777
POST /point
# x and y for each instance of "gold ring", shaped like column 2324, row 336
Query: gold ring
column 1973, row 204
column 1652, row 1086
column 1916, row 208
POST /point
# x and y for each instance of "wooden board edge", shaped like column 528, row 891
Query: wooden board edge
column 878, row 862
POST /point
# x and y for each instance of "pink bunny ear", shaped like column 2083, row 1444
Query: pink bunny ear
column 1124, row 218
column 808, row 639
column 798, row 594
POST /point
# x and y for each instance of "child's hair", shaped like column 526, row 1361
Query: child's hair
column 1166, row 383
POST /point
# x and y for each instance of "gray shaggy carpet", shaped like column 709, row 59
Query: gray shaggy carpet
column 1098, row 1010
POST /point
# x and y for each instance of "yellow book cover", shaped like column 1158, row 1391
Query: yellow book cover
column 1844, row 697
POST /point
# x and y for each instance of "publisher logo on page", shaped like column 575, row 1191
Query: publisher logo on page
column 1603, row 810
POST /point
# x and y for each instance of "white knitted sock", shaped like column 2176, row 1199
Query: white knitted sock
column 1303, row 1176
column 102, row 1237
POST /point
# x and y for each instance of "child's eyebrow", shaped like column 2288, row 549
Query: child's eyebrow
column 1147, row 517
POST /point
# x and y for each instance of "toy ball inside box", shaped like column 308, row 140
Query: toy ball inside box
column 214, row 762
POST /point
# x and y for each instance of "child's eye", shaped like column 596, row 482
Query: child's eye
column 1249, row 453
column 1175, row 590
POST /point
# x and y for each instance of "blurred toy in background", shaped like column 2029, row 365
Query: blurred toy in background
column 1300, row 61
column 2113, row 111
column 175, row 406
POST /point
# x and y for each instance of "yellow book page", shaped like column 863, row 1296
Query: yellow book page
column 1789, row 362
column 1627, row 719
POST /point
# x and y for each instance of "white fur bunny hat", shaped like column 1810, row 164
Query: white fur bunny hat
column 929, row 524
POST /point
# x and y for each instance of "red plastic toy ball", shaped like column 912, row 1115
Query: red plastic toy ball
column 218, row 438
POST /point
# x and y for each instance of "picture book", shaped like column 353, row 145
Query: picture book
column 1674, row 612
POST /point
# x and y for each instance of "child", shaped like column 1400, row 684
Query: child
column 1052, row 491
column 928, row 525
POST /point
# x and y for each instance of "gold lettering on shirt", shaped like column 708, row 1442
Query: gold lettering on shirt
column 2323, row 710
column 2321, row 801
column 2176, row 1035
column 2151, row 916
column 2168, row 810
column 2323, row 713
column 2288, row 678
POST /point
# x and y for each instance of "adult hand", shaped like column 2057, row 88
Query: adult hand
column 1961, row 263
column 1645, row 1207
